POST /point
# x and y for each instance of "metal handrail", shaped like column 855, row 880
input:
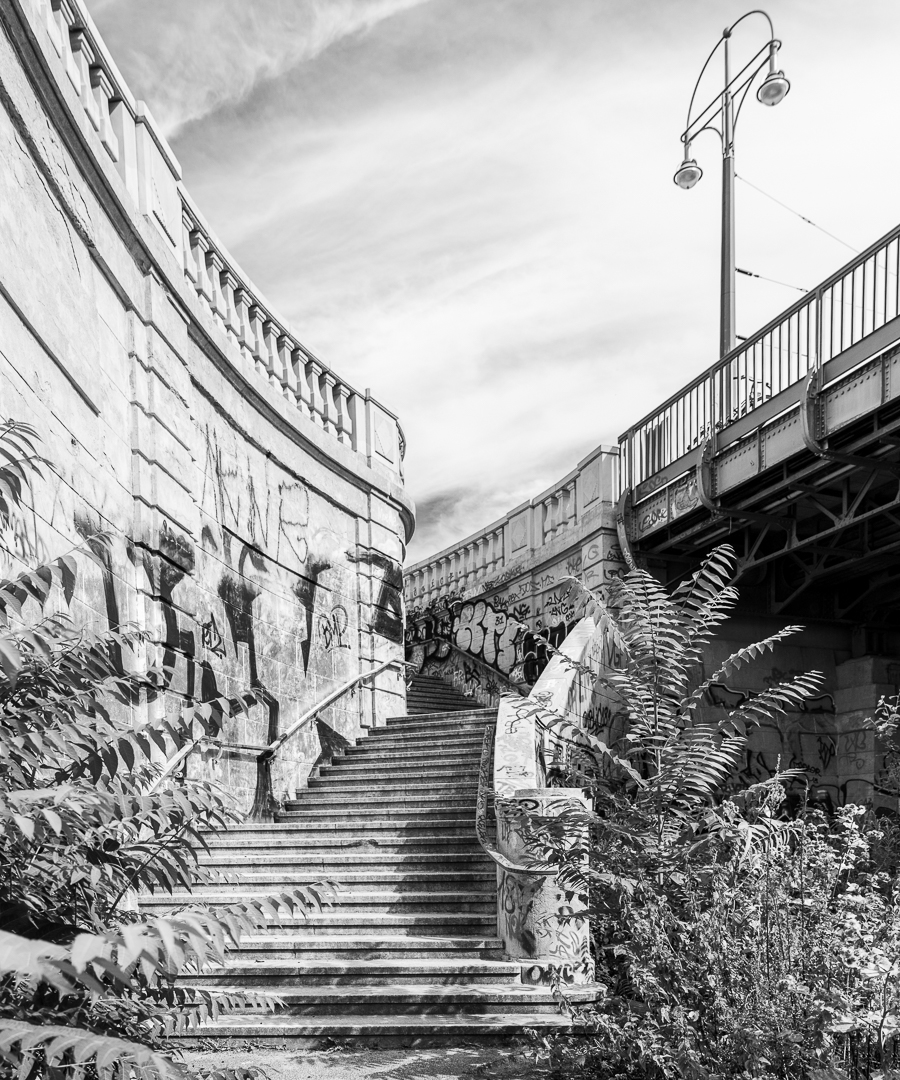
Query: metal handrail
column 718, row 409
column 269, row 751
column 272, row 749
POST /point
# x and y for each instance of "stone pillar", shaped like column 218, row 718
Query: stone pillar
column 535, row 920
column 861, row 682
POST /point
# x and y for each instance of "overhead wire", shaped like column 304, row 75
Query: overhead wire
column 796, row 213
column 774, row 281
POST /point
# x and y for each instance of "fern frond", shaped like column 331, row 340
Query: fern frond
column 737, row 659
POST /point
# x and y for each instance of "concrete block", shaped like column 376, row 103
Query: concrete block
column 865, row 670
column 864, row 698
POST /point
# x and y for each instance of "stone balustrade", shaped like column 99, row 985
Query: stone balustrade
column 563, row 514
column 262, row 346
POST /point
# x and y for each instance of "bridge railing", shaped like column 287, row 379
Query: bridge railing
column 845, row 308
column 268, row 351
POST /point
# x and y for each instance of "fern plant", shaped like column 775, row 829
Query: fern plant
column 673, row 760
column 87, row 985
column 731, row 939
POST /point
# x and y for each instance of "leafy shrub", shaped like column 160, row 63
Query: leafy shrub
column 731, row 939
column 87, row 984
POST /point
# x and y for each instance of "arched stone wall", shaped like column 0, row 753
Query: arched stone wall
column 254, row 500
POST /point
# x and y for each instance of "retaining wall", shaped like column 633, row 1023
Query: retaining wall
column 254, row 499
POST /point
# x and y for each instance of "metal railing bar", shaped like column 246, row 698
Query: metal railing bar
column 272, row 749
column 815, row 295
column 266, row 752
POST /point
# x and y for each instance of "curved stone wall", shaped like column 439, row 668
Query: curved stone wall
column 254, row 499
column 501, row 594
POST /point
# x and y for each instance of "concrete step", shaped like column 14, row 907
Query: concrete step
column 320, row 972
column 310, row 948
column 350, row 923
column 369, row 776
column 416, row 923
column 350, row 880
column 447, row 698
column 437, row 729
column 422, row 754
column 385, row 1030
column 385, row 737
column 440, row 766
column 424, row 704
column 432, row 999
column 434, row 721
column 316, row 800
column 250, row 862
column 382, row 787
column 303, row 830
column 313, row 815
column 356, row 901
column 459, row 826
column 398, row 845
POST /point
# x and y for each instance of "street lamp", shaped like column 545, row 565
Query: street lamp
column 721, row 109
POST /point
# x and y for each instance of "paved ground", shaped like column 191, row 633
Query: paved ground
column 438, row 1063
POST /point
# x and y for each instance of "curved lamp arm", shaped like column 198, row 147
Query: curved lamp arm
column 772, row 46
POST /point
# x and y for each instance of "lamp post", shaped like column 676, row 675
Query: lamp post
column 722, row 109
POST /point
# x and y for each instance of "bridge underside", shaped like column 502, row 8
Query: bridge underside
column 816, row 537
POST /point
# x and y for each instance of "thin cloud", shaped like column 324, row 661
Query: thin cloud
column 469, row 207
column 189, row 60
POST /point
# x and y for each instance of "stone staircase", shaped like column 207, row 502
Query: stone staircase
column 409, row 950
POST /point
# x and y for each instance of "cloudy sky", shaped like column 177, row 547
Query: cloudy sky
column 467, row 205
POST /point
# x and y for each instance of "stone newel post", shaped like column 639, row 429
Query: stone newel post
column 534, row 915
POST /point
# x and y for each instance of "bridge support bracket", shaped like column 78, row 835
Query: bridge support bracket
column 808, row 404
column 623, row 514
column 714, row 505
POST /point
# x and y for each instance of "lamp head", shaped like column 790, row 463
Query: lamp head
column 688, row 175
column 773, row 89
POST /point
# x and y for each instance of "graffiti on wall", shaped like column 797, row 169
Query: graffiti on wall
column 490, row 634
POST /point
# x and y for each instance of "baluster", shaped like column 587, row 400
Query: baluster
column 548, row 526
column 83, row 57
column 256, row 344
column 479, row 546
column 271, row 334
column 48, row 13
column 286, row 372
column 103, row 92
column 65, row 19
column 228, row 284
column 187, row 229
column 243, row 301
column 354, row 412
column 329, row 382
column 314, row 372
column 344, row 420
column 568, row 506
column 304, row 398
column 218, row 301
column 122, row 122
column 199, row 248
column 491, row 552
